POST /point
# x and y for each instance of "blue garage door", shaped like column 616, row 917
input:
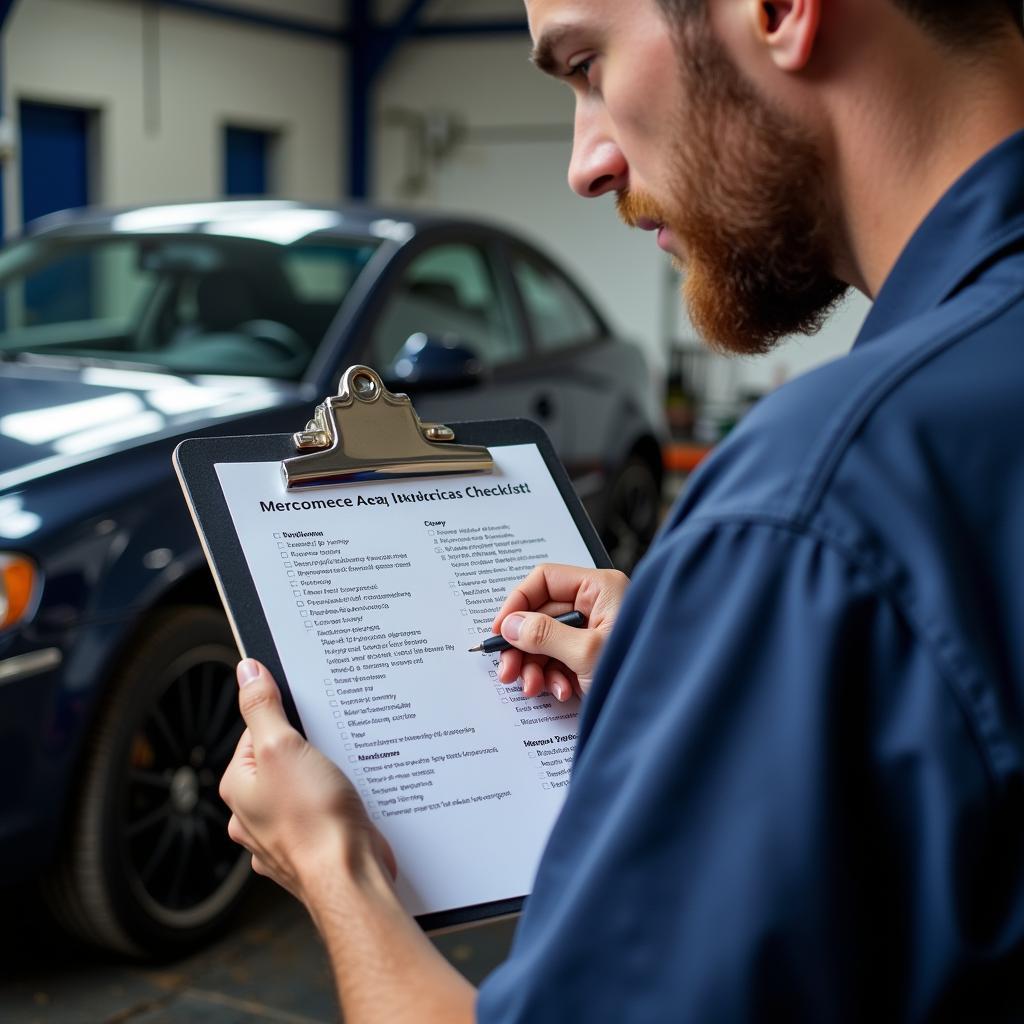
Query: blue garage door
column 246, row 160
column 55, row 176
column 54, row 159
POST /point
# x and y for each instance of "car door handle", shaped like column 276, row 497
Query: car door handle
column 544, row 407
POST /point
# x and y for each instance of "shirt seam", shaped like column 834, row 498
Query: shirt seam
column 988, row 737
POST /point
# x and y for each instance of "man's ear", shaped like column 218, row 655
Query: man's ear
column 789, row 29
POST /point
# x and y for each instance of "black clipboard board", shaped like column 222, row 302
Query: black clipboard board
column 195, row 461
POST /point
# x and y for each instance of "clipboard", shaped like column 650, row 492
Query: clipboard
column 367, row 440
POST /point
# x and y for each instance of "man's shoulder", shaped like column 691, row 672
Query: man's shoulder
column 909, row 402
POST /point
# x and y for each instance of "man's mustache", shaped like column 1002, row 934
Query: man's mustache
column 636, row 208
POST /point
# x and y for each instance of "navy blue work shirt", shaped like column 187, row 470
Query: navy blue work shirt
column 798, row 786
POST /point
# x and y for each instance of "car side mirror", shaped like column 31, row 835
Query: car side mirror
column 429, row 362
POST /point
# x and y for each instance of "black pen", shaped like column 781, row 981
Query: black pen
column 499, row 643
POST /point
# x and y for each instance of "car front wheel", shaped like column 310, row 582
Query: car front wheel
column 631, row 513
column 148, row 868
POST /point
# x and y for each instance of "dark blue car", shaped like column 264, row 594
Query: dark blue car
column 120, row 334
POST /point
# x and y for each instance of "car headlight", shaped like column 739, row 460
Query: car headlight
column 19, row 584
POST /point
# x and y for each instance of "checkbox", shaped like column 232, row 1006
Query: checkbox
column 309, row 625
column 304, row 614
column 531, row 753
column 493, row 674
column 345, row 736
column 291, row 574
column 296, row 593
column 542, row 776
column 333, row 703
column 337, row 714
column 340, row 725
column 281, row 544
column 546, row 786
column 284, row 554
column 437, row 551
column 504, row 700
column 288, row 565
column 465, row 611
column 277, row 536
column 300, row 604
column 471, row 631
column 348, row 746
column 352, row 758
column 433, row 533
column 375, row 816
column 452, row 584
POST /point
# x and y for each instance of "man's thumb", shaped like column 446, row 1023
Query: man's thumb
column 536, row 633
column 259, row 700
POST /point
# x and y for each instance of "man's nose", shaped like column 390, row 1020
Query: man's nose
column 598, row 165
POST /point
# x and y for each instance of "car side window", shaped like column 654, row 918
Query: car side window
column 559, row 316
column 449, row 293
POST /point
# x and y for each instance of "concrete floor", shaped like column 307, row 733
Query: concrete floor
column 269, row 968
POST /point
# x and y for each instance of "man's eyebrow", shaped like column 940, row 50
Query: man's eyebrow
column 543, row 55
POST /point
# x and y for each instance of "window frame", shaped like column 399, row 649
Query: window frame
column 490, row 245
column 515, row 249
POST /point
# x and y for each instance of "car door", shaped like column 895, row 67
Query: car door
column 454, row 290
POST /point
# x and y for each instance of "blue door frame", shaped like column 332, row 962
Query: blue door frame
column 5, row 10
column 54, row 158
column 246, row 161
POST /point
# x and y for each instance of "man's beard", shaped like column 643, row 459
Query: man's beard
column 749, row 206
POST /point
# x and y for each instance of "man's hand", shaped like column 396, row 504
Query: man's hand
column 293, row 809
column 550, row 655
column 308, row 830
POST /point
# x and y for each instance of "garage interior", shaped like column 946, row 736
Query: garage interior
column 421, row 105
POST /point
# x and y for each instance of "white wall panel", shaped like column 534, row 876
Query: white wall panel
column 160, row 124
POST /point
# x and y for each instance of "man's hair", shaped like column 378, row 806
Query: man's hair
column 964, row 23
column 954, row 21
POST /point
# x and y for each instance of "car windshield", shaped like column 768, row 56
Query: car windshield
column 187, row 303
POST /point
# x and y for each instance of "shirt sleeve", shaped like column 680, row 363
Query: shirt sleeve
column 768, row 807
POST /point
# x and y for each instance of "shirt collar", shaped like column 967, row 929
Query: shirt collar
column 977, row 218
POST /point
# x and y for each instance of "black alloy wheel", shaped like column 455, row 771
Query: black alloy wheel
column 631, row 513
column 149, row 868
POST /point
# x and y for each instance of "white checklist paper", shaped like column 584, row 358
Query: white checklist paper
column 374, row 592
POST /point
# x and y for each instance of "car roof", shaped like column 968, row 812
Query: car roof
column 271, row 220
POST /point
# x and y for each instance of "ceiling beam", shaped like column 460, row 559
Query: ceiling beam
column 272, row 21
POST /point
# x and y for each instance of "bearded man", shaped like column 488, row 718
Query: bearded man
column 799, row 784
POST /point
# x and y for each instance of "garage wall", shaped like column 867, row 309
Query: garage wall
column 164, row 84
column 463, row 97
column 498, row 135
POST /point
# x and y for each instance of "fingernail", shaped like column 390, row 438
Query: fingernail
column 248, row 672
column 511, row 626
column 562, row 692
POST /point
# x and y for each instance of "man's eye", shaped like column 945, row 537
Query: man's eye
column 582, row 69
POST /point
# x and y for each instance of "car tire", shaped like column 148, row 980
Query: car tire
column 631, row 512
column 147, row 868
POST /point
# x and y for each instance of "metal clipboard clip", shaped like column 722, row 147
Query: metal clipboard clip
column 367, row 433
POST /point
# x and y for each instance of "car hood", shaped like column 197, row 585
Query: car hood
column 55, row 417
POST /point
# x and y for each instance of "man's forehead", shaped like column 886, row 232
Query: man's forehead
column 546, row 14
column 552, row 21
